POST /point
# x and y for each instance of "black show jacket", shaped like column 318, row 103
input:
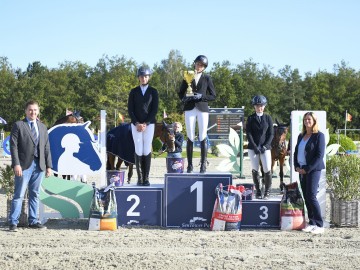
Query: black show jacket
column 205, row 87
column 143, row 109
column 259, row 133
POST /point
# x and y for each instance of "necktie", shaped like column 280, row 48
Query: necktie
column 35, row 136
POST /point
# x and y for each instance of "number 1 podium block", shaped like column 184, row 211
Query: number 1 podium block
column 190, row 198
column 139, row 205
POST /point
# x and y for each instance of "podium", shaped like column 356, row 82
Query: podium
column 137, row 205
column 186, row 201
column 190, row 198
column 261, row 214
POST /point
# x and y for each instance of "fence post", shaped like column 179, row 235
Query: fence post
column 241, row 153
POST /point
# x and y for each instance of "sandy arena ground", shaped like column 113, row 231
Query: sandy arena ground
column 67, row 244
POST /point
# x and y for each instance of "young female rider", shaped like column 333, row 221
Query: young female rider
column 196, row 109
column 260, row 132
column 143, row 105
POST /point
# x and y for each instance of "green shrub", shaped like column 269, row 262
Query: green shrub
column 343, row 176
column 345, row 142
column 215, row 151
column 7, row 180
column 156, row 144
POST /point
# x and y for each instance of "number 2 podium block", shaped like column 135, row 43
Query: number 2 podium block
column 138, row 205
column 190, row 198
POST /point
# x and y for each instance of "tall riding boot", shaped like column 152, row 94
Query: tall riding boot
column 203, row 159
column 189, row 154
column 256, row 180
column 268, row 180
column 146, row 169
column 138, row 164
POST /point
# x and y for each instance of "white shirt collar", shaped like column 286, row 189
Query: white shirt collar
column 144, row 88
column 197, row 77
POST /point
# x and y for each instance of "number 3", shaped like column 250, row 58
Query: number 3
column 265, row 214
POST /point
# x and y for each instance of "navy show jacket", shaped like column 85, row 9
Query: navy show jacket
column 314, row 152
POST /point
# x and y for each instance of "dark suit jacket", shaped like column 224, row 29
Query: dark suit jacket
column 259, row 133
column 143, row 109
column 22, row 146
column 314, row 152
column 205, row 87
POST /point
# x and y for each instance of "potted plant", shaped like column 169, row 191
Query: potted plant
column 7, row 181
column 7, row 184
column 343, row 179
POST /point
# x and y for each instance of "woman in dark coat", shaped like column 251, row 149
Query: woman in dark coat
column 308, row 162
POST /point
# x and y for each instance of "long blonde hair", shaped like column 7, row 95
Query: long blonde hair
column 315, row 127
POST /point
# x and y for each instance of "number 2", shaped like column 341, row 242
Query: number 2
column 130, row 212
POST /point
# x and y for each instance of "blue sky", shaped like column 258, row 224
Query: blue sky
column 310, row 35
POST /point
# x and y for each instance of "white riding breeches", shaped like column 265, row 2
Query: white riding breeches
column 143, row 140
column 265, row 160
column 190, row 122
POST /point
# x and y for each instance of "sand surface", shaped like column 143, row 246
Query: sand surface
column 67, row 244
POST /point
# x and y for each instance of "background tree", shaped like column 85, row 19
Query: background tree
column 225, row 89
column 166, row 79
column 78, row 86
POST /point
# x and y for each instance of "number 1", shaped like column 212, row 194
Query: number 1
column 198, row 185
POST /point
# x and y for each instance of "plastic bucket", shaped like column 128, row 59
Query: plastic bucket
column 116, row 177
column 175, row 165
column 249, row 191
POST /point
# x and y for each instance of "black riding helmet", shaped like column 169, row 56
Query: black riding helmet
column 202, row 59
column 143, row 71
column 259, row 100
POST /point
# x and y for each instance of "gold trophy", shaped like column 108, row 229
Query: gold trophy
column 189, row 75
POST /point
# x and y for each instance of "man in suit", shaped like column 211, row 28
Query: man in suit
column 197, row 109
column 30, row 158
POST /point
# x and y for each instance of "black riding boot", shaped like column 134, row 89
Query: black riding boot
column 146, row 169
column 189, row 154
column 256, row 180
column 138, row 164
column 268, row 180
column 203, row 159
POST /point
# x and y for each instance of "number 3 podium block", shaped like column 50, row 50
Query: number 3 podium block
column 190, row 198
column 140, row 205
column 261, row 214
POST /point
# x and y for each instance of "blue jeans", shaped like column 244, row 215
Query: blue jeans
column 31, row 180
column 174, row 155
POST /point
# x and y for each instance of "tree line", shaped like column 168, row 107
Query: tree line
column 78, row 86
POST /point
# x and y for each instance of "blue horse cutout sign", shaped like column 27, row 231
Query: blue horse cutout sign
column 73, row 149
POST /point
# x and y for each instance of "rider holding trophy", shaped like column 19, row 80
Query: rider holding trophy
column 196, row 90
